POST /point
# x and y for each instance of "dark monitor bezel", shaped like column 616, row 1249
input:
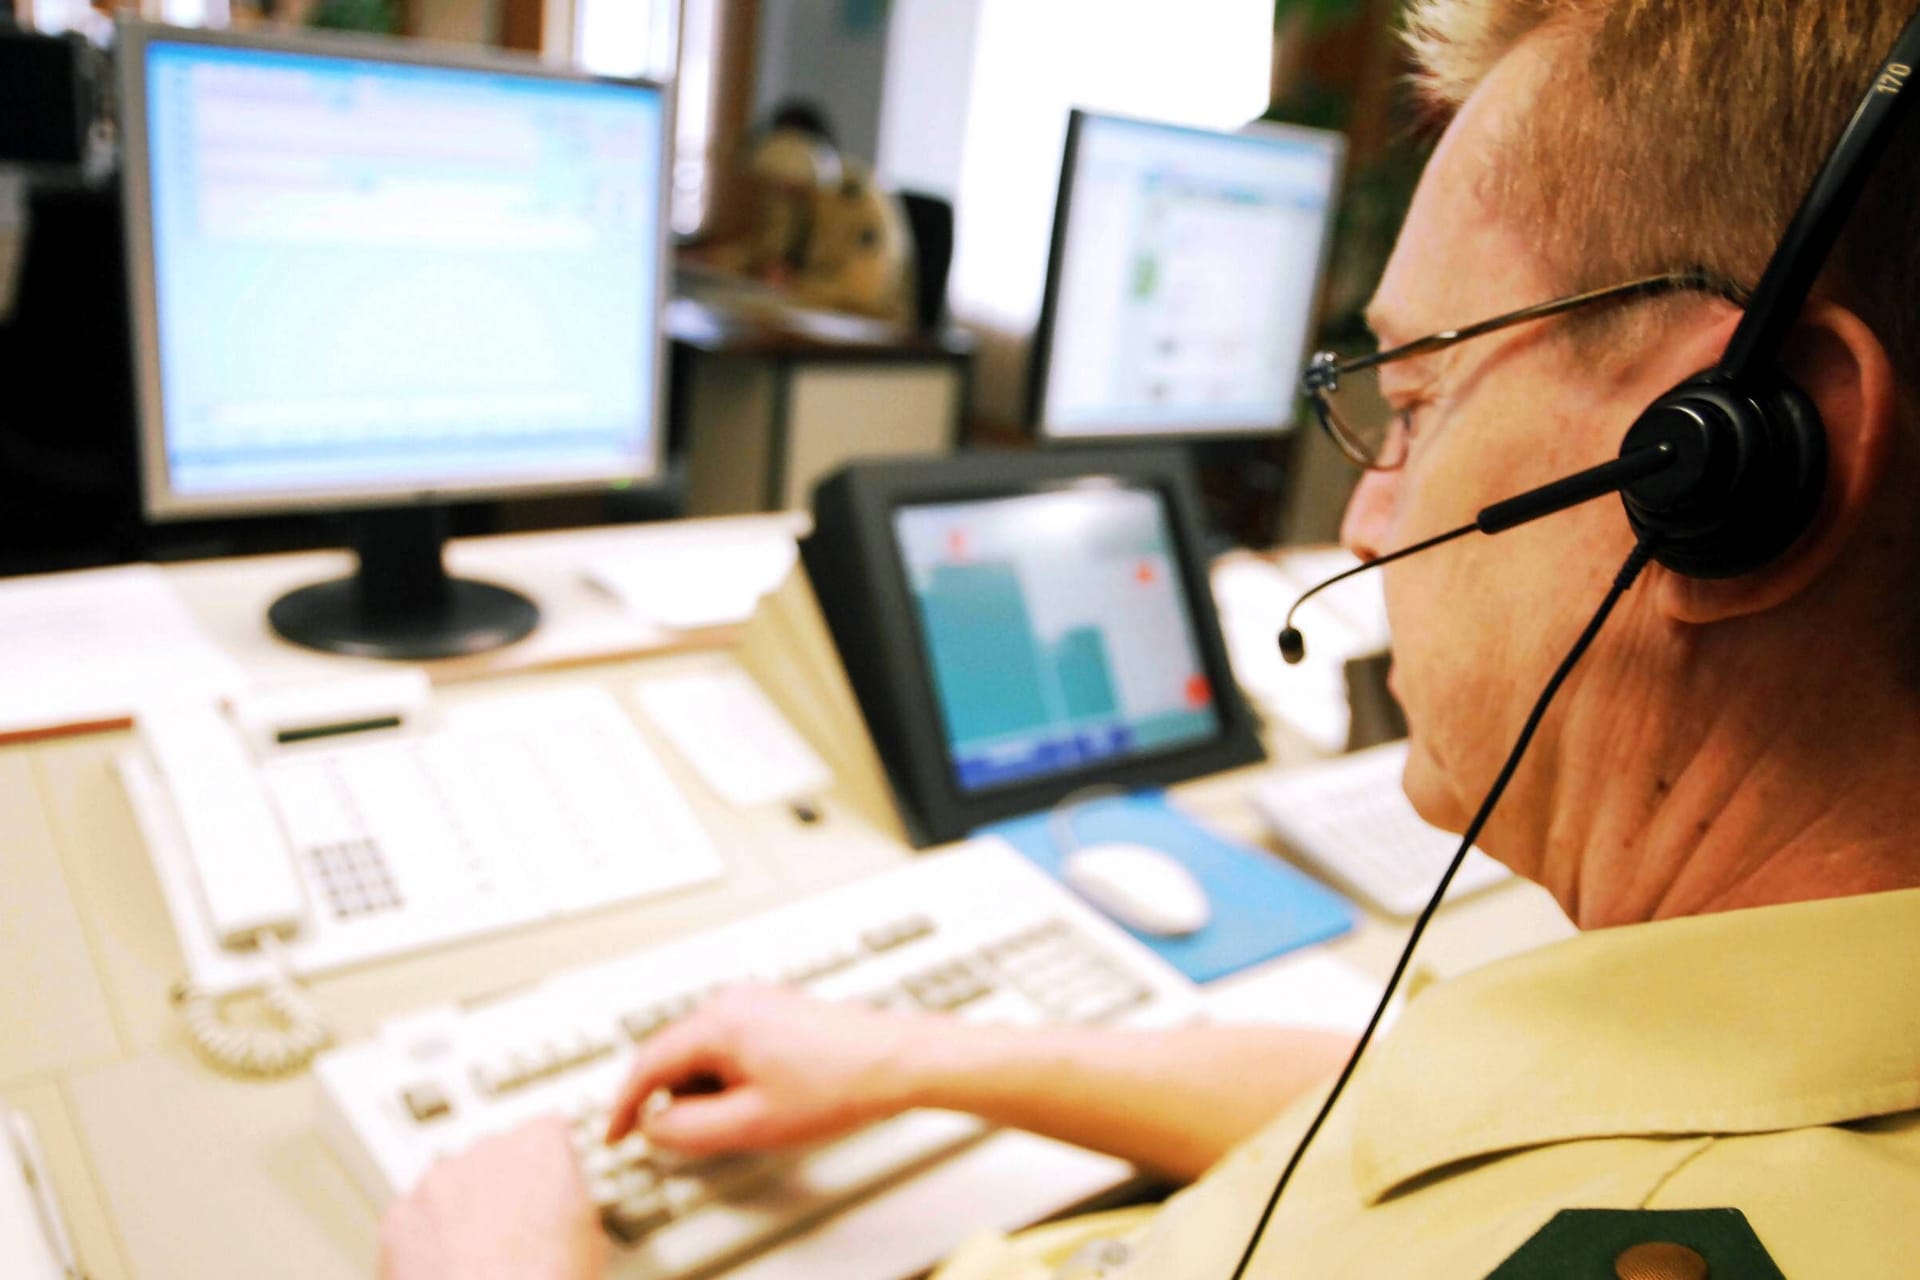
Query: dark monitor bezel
column 159, row 500
column 853, row 558
column 1042, row 351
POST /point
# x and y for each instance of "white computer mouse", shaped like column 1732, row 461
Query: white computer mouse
column 1139, row 886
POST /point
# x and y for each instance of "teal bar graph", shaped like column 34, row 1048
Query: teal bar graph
column 1085, row 674
column 986, row 663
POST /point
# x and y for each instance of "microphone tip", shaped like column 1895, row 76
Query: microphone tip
column 1293, row 645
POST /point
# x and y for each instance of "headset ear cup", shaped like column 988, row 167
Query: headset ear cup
column 1747, row 482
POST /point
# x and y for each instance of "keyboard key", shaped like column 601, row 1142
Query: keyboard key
column 631, row 1219
column 426, row 1102
column 897, row 933
column 642, row 1023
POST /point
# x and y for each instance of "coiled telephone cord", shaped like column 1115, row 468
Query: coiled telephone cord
column 261, row 1051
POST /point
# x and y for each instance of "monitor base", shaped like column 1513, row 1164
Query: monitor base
column 477, row 616
column 401, row 604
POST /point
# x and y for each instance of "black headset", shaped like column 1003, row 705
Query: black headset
column 1749, row 449
column 1719, row 476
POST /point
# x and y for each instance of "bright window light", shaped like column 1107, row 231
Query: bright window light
column 624, row 37
column 196, row 13
column 1204, row 63
column 640, row 38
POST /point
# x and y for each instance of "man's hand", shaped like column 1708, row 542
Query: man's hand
column 514, row 1206
column 759, row 1067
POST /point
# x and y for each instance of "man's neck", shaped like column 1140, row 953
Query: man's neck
column 1748, row 796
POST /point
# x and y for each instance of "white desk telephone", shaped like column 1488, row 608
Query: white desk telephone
column 310, row 829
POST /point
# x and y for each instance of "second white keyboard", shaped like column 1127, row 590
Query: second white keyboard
column 976, row 930
column 1349, row 819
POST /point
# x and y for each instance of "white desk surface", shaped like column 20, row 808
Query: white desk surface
column 579, row 622
column 168, row 1169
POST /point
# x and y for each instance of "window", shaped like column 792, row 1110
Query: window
column 1203, row 65
column 639, row 38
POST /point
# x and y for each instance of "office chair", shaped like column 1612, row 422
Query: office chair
column 930, row 221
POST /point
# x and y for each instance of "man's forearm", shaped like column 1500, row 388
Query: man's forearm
column 1174, row 1101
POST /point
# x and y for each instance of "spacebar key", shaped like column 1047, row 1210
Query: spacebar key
column 817, row 1184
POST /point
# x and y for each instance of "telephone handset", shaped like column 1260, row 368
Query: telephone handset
column 243, row 873
column 234, row 854
column 242, row 881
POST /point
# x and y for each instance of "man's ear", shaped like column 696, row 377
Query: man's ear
column 1840, row 363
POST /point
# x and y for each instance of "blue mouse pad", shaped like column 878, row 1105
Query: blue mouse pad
column 1261, row 906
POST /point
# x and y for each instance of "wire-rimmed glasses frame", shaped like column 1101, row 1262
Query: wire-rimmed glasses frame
column 1371, row 442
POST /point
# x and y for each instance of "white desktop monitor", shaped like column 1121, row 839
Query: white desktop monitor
column 1183, row 281
column 368, row 274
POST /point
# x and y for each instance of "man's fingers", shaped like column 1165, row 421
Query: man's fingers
column 674, row 1056
column 711, row 1124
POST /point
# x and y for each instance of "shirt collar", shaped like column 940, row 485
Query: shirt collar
column 1739, row 1022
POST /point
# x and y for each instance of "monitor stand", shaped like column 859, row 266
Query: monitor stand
column 400, row 603
column 1242, row 491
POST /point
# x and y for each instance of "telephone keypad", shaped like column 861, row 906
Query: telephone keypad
column 354, row 877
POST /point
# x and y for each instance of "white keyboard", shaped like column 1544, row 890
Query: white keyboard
column 1349, row 819
column 976, row 930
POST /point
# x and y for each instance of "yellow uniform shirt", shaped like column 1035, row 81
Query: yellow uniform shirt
column 1765, row 1060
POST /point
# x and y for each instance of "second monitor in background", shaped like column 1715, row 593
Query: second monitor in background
column 1183, row 280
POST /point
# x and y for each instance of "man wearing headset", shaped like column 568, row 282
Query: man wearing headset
column 1723, row 798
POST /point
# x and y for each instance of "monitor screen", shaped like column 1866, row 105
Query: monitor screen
column 1017, row 626
column 1185, row 271
column 376, row 276
column 1056, row 628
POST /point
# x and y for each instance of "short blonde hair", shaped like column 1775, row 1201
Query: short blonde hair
column 1684, row 133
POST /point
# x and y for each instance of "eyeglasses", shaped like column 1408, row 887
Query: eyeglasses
column 1373, row 435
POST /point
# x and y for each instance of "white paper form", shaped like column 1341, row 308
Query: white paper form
column 723, row 725
column 85, row 648
column 697, row 581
